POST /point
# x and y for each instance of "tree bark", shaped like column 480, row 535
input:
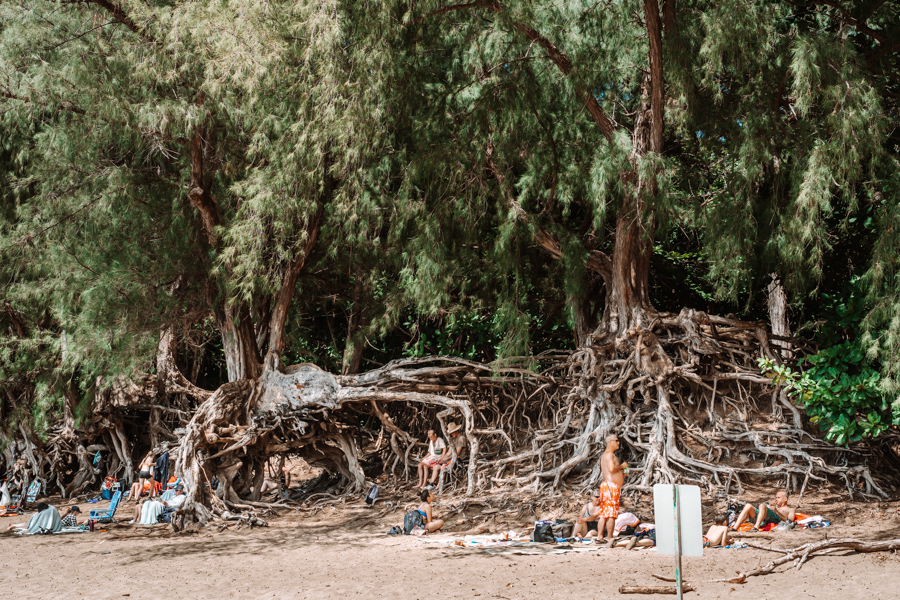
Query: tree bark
column 242, row 358
column 778, row 315
column 657, row 84
column 628, row 304
column 355, row 342
column 286, row 294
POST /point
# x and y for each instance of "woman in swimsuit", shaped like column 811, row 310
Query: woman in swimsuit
column 431, row 524
column 586, row 524
column 145, row 473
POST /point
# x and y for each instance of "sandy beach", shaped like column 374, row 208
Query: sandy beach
column 344, row 552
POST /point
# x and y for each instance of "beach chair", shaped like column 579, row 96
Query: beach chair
column 30, row 495
column 106, row 516
column 33, row 490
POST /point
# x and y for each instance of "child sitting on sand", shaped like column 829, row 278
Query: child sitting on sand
column 718, row 532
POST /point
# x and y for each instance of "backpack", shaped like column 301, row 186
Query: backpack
column 372, row 496
column 543, row 532
column 411, row 520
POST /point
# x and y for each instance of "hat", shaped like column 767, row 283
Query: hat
column 179, row 488
column 75, row 509
column 453, row 428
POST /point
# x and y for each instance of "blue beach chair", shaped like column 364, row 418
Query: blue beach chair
column 106, row 516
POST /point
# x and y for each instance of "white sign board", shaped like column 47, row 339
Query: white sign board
column 690, row 524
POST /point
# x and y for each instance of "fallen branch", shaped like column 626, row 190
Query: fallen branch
column 655, row 589
column 803, row 553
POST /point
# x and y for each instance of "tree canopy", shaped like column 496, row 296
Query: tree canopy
column 345, row 183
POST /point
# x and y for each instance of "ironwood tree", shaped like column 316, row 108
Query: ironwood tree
column 170, row 166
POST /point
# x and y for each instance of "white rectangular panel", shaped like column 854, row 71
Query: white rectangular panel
column 691, row 523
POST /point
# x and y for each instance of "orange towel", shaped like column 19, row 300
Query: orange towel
column 799, row 517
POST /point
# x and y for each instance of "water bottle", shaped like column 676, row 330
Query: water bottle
column 91, row 524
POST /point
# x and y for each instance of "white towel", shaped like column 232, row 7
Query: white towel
column 149, row 511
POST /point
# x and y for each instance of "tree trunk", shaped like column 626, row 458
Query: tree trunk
column 353, row 354
column 278, row 321
column 628, row 306
column 355, row 342
column 242, row 358
column 778, row 315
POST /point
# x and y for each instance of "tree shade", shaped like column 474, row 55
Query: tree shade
column 264, row 177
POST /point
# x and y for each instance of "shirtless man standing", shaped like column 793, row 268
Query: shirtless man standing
column 610, row 488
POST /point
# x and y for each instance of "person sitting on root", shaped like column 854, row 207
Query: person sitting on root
column 767, row 514
column 437, row 457
column 70, row 518
column 428, row 521
column 717, row 535
column 269, row 485
column 586, row 523
column 457, row 442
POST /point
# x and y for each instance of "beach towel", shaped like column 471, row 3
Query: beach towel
column 814, row 522
column 625, row 519
column 150, row 511
column 46, row 521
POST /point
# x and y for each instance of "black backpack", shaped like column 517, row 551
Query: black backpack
column 543, row 532
column 411, row 520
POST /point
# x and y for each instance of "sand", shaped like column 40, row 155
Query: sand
column 344, row 553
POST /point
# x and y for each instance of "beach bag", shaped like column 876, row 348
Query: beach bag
column 411, row 520
column 563, row 529
column 372, row 496
column 543, row 532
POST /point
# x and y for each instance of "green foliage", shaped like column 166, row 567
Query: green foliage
column 420, row 143
column 842, row 390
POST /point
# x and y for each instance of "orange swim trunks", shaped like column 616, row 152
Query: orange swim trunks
column 609, row 500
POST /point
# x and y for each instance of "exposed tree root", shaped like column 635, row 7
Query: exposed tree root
column 683, row 393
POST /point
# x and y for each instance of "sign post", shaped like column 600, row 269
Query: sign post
column 677, row 506
column 679, row 526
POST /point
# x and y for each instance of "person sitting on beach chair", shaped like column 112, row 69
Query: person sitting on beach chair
column 767, row 514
